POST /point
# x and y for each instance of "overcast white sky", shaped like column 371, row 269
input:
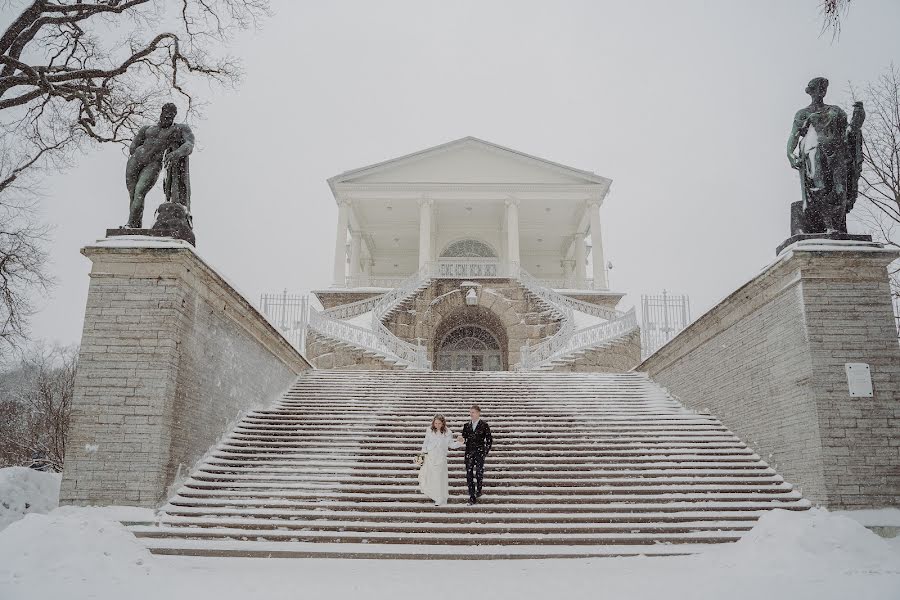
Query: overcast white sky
column 685, row 104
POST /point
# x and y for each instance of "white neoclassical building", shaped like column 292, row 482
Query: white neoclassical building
column 470, row 256
column 494, row 207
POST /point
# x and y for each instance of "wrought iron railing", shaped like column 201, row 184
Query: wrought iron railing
column 566, row 284
column 373, row 281
column 470, row 268
column 287, row 312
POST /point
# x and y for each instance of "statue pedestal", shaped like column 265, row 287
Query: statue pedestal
column 172, row 221
column 822, row 236
column 170, row 355
column 778, row 362
column 142, row 232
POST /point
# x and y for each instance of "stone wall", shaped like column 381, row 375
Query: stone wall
column 171, row 354
column 769, row 362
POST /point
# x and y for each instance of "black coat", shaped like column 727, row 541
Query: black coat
column 479, row 441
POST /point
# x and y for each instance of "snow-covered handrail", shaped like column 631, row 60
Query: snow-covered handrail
column 589, row 337
column 413, row 354
column 601, row 333
column 533, row 355
column 353, row 309
column 345, row 332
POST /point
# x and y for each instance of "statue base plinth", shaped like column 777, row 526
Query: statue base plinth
column 169, row 233
column 822, row 236
column 172, row 220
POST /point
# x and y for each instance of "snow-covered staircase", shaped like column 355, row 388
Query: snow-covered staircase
column 583, row 465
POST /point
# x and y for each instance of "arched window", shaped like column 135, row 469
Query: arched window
column 468, row 249
column 469, row 348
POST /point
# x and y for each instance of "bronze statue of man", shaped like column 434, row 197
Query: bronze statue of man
column 164, row 143
column 829, row 161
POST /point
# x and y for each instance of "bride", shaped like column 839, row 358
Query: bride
column 433, row 473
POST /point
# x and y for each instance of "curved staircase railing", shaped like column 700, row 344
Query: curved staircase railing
column 342, row 331
column 353, row 309
column 534, row 355
column 542, row 354
column 381, row 340
column 415, row 355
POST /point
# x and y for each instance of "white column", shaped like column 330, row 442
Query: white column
column 512, row 232
column 425, row 208
column 580, row 261
column 340, row 244
column 599, row 263
column 355, row 257
column 568, row 273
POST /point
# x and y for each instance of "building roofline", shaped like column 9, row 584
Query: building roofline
column 379, row 166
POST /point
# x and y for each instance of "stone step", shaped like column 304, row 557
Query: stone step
column 436, row 537
column 457, row 506
column 536, row 469
column 527, row 496
column 377, row 460
column 459, row 527
column 253, row 549
column 440, row 515
column 497, row 489
column 206, row 473
column 582, row 465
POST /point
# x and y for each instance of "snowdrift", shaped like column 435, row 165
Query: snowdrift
column 72, row 546
column 24, row 491
column 783, row 537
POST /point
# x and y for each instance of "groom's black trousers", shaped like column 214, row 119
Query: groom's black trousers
column 474, row 473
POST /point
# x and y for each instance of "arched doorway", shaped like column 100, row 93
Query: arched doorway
column 469, row 348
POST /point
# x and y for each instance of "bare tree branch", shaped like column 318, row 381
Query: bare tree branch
column 879, row 186
column 833, row 13
column 35, row 408
column 76, row 73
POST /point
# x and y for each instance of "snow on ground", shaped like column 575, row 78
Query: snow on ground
column 78, row 553
column 24, row 491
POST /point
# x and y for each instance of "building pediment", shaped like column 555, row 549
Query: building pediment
column 467, row 162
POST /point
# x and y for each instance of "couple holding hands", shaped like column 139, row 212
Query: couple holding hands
column 439, row 440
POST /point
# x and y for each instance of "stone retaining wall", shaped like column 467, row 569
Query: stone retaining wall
column 170, row 355
column 769, row 362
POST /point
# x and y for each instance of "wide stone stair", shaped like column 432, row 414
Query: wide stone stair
column 583, row 465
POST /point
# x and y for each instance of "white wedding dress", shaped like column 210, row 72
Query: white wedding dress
column 433, row 472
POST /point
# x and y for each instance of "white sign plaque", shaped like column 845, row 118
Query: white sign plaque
column 859, row 380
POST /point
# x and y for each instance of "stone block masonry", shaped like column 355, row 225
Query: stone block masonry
column 769, row 362
column 170, row 355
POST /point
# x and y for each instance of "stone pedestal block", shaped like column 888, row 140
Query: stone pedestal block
column 770, row 361
column 170, row 355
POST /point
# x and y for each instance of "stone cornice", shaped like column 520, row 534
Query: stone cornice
column 589, row 190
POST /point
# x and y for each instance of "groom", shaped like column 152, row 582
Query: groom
column 477, row 436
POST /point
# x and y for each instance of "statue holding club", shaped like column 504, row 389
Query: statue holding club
column 163, row 145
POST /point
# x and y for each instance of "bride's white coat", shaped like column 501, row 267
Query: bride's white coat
column 433, row 478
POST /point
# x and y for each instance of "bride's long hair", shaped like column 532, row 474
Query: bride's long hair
column 443, row 421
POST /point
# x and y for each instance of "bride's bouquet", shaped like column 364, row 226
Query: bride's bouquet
column 419, row 460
